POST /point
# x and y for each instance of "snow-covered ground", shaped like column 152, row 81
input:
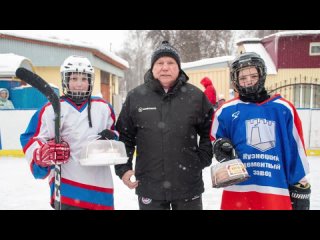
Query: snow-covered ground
column 19, row 190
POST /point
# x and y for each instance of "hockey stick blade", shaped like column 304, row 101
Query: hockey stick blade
column 40, row 84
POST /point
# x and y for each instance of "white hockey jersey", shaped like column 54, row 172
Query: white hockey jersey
column 81, row 186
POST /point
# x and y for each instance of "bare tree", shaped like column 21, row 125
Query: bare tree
column 216, row 42
column 188, row 45
column 158, row 35
column 192, row 44
column 136, row 51
column 195, row 44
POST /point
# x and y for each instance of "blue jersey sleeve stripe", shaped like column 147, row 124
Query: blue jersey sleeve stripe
column 39, row 172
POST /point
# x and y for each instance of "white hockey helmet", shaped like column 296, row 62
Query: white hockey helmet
column 77, row 64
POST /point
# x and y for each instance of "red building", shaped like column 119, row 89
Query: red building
column 294, row 49
column 293, row 64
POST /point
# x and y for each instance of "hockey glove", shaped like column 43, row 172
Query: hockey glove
column 52, row 153
column 300, row 196
column 107, row 134
column 223, row 150
column 230, row 170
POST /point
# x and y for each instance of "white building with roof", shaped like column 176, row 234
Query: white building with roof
column 9, row 62
column 217, row 69
column 47, row 55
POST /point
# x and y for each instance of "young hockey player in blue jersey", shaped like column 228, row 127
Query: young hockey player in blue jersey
column 266, row 133
column 82, row 187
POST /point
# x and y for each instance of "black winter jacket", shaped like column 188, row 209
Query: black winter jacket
column 164, row 127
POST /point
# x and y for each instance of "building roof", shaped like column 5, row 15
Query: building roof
column 278, row 34
column 248, row 40
column 260, row 49
column 293, row 33
column 207, row 61
column 255, row 45
column 9, row 63
column 97, row 51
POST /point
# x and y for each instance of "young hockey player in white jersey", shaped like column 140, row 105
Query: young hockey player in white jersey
column 266, row 134
column 82, row 115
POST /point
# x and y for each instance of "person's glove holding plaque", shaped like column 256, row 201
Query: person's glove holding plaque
column 230, row 170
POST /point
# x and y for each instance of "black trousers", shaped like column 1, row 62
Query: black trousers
column 194, row 203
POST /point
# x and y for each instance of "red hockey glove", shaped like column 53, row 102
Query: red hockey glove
column 52, row 153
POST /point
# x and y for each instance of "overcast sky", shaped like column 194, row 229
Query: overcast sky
column 102, row 38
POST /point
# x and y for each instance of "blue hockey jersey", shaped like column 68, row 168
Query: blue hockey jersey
column 268, row 138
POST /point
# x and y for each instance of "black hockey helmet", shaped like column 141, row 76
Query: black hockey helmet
column 249, row 59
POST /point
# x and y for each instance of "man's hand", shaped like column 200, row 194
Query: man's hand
column 52, row 153
column 126, row 178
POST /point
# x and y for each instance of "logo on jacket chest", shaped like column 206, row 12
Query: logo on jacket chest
column 141, row 109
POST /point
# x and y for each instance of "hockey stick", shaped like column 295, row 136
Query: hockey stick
column 40, row 84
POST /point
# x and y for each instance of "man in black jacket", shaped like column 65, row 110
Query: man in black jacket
column 162, row 118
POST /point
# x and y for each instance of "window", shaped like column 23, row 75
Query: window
column 314, row 49
column 316, row 96
column 296, row 95
column 105, row 77
column 306, row 96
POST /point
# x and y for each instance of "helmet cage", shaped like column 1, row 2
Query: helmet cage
column 78, row 65
column 250, row 60
column 76, row 96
